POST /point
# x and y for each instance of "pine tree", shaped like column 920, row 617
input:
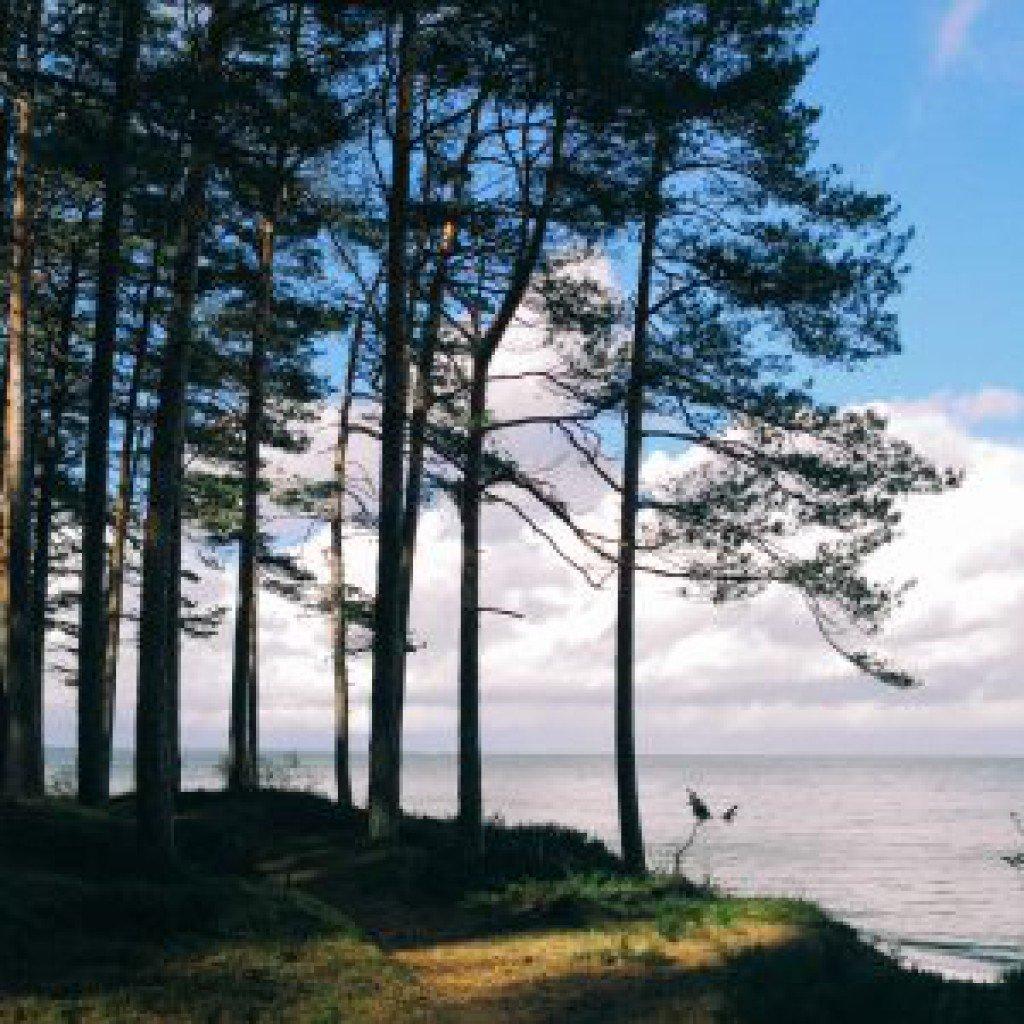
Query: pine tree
column 338, row 593
column 17, row 775
column 93, row 696
column 752, row 266
column 65, row 249
column 385, row 736
column 156, row 724
column 128, row 471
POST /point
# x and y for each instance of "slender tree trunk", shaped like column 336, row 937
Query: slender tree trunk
column 94, row 753
column 339, row 595
column 124, row 501
column 630, row 828
column 9, row 36
column 385, row 737
column 15, row 510
column 34, row 755
column 423, row 401
column 486, row 344
column 243, row 771
column 470, row 782
column 8, row 53
column 174, row 641
column 155, row 746
column 50, row 446
column 154, row 716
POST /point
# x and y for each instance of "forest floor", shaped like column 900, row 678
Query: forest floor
column 282, row 911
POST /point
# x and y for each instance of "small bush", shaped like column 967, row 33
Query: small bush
column 1013, row 982
column 63, row 781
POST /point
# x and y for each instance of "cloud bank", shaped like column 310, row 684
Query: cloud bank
column 750, row 677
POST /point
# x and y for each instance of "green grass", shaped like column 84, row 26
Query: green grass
column 281, row 910
column 88, row 936
column 676, row 919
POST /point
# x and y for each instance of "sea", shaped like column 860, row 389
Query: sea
column 909, row 851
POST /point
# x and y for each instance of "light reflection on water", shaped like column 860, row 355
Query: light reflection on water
column 906, row 850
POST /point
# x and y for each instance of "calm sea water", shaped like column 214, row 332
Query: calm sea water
column 906, row 850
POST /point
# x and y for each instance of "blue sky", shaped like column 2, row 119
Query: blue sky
column 925, row 99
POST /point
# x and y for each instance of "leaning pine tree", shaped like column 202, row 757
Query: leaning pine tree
column 753, row 267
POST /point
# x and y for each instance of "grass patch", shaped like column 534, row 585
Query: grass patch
column 281, row 910
column 89, row 936
column 675, row 920
column 579, row 900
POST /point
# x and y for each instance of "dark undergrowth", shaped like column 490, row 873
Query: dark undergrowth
column 281, row 910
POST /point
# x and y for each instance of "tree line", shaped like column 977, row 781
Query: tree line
column 220, row 218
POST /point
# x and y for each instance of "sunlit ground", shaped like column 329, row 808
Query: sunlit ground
column 283, row 912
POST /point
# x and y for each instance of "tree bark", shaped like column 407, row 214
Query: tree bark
column 422, row 404
column 630, row 827
column 50, row 445
column 155, row 770
column 423, row 399
column 243, row 774
column 8, row 53
column 124, row 501
column 385, row 737
column 472, row 489
column 339, row 596
column 15, row 510
column 153, row 759
column 94, row 753
column 174, row 642
column 470, row 771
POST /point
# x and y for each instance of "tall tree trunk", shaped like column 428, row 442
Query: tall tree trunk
column 422, row 402
column 94, row 753
column 125, row 498
column 50, row 446
column 385, row 737
column 174, row 642
column 8, row 54
column 154, row 744
column 339, row 595
column 243, row 772
column 9, row 37
column 243, row 769
column 485, row 346
column 470, row 782
column 155, row 770
column 15, row 509
column 423, row 398
column 630, row 828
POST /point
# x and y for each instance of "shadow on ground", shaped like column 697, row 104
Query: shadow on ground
column 282, row 911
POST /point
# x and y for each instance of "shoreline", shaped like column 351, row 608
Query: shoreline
column 282, row 911
column 913, row 870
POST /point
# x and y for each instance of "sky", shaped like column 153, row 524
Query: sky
column 924, row 99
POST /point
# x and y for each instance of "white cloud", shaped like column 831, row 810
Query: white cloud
column 753, row 676
column 990, row 404
column 955, row 31
column 979, row 408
